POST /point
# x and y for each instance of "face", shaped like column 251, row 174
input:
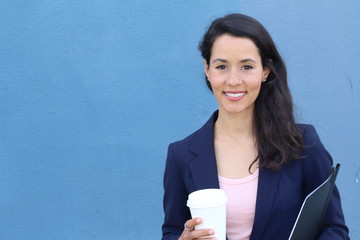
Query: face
column 235, row 73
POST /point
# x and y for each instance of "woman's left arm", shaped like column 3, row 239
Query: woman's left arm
column 316, row 165
column 333, row 226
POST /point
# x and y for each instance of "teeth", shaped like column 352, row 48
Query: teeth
column 234, row 95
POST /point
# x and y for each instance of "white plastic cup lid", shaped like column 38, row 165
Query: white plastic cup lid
column 206, row 198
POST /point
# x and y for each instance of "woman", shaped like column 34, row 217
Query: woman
column 251, row 147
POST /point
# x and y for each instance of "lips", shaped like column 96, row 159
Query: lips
column 235, row 95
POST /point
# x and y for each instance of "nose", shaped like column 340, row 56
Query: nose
column 234, row 78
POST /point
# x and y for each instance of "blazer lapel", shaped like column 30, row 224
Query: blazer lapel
column 203, row 168
column 266, row 193
column 205, row 175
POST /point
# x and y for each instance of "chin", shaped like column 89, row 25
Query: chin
column 234, row 111
column 237, row 109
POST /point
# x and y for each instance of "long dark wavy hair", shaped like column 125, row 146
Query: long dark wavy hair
column 278, row 138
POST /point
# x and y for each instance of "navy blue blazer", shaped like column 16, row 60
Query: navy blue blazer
column 191, row 166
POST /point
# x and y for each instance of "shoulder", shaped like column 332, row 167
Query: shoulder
column 310, row 135
column 199, row 140
column 311, row 141
column 179, row 151
column 316, row 160
column 184, row 143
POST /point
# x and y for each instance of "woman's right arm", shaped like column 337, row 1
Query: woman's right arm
column 174, row 203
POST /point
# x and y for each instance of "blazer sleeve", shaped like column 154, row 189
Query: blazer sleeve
column 316, row 163
column 175, row 195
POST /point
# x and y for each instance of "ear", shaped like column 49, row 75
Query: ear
column 206, row 69
column 266, row 72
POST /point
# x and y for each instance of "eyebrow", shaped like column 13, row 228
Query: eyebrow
column 241, row 61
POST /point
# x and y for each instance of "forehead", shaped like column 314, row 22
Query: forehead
column 230, row 46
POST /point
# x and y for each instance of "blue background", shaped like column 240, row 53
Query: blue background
column 92, row 92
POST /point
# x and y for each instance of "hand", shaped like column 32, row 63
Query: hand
column 195, row 234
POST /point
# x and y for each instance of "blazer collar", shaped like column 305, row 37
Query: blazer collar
column 266, row 193
column 203, row 168
column 204, row 137
column 204, row 172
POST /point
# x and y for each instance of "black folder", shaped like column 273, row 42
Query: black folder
column 313, row 209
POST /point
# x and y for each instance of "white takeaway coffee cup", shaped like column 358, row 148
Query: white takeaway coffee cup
column 210, row 205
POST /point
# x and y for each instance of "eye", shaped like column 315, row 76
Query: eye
column 221, row 67
column 247, row 67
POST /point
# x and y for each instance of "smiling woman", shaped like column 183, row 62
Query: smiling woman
column 235, row 73
column 251, row 146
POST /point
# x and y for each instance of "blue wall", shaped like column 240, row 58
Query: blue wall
column 92, row 92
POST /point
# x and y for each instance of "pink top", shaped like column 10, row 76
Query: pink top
column 240, row 208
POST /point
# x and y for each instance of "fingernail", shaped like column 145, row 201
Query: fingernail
column 211, row 232
column 198, row 220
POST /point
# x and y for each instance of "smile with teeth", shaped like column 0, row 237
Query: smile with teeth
column 235, row 95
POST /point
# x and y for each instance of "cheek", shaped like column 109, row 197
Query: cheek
column 216, row 82
column 217, row 88
column 254, row 82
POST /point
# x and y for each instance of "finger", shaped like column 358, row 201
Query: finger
column 190, row 224
column 201, row 233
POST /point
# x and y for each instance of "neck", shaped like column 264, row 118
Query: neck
column 235, row 126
